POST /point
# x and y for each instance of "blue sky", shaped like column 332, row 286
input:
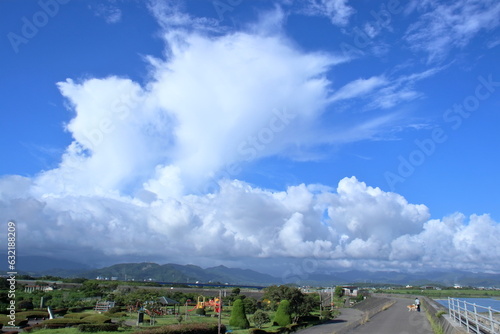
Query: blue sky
column 356, row 134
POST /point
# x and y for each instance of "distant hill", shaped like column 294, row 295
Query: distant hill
column 180, row 274
column 41, row 266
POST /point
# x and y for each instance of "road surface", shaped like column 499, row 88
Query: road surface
column 396, row 320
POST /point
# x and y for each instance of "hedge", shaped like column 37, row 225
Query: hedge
column 97, row 319
column 43, row 326
column 238, row 316
column 65, row 321
column 282, row 316
column 32, row 314
column 77, row 315
column 116, row 315
column 92, row 328
column 201, row 328
column 19, row 321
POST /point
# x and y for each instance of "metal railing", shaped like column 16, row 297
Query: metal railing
column 475, row 318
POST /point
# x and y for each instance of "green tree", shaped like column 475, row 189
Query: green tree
column 25, row 305
column 250, row 305
column 91, row 289
column 300, row 304
column 339, row 291
column 283, row 316
column 235, row 292
column 260, row 318
column 238, row 316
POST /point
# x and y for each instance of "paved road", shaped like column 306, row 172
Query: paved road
column 396, row 320
column 347, row 316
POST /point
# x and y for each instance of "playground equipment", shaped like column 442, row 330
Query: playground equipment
column 202, row 303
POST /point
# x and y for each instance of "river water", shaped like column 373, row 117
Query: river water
column 485, row 302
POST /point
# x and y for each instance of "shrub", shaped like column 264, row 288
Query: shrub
column 19, row 321
column 115, row 309
column 116, row 315
column 200, row 311
column 60, row 311
column 32, row 314
column 282, row 316
column 54, row 326
column 64, row 321
column 97, row 319
column 77, row 315
column 256, row 331
column 77, row 309
column 326, row 314
column 92, row 328
column 260, row 318
column 201, row 328
column 238, row 316
column 25, row 305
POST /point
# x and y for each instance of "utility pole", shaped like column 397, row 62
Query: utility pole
column 320, row 302
column 220, row 310
column 331, row 299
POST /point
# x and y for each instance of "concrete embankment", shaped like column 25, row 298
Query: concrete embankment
column 447, row 324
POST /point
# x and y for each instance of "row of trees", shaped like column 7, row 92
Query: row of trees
column 288, row 302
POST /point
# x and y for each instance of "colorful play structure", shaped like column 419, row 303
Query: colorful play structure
column 202, row 303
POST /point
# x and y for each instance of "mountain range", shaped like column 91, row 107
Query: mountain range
column 176, row 273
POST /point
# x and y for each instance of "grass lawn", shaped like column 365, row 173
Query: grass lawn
column 168, row 320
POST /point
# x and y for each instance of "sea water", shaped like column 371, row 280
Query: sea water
column 484, row 302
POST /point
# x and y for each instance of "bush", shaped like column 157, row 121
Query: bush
column 37, row 327
column 25, row 305
column 282, row 316
column 115, row 309
column 32, row 314
column 64, row 321
column 20, row 321
column 116, row 315
column 92, row 328
column 97, row 319
column 77, row 315
column 76, row 309
column 200, row 311
column 60, row 311
column 260, row 318
column 256, row 331
column 201, row 328
column 238, row 316
column 326, row 314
